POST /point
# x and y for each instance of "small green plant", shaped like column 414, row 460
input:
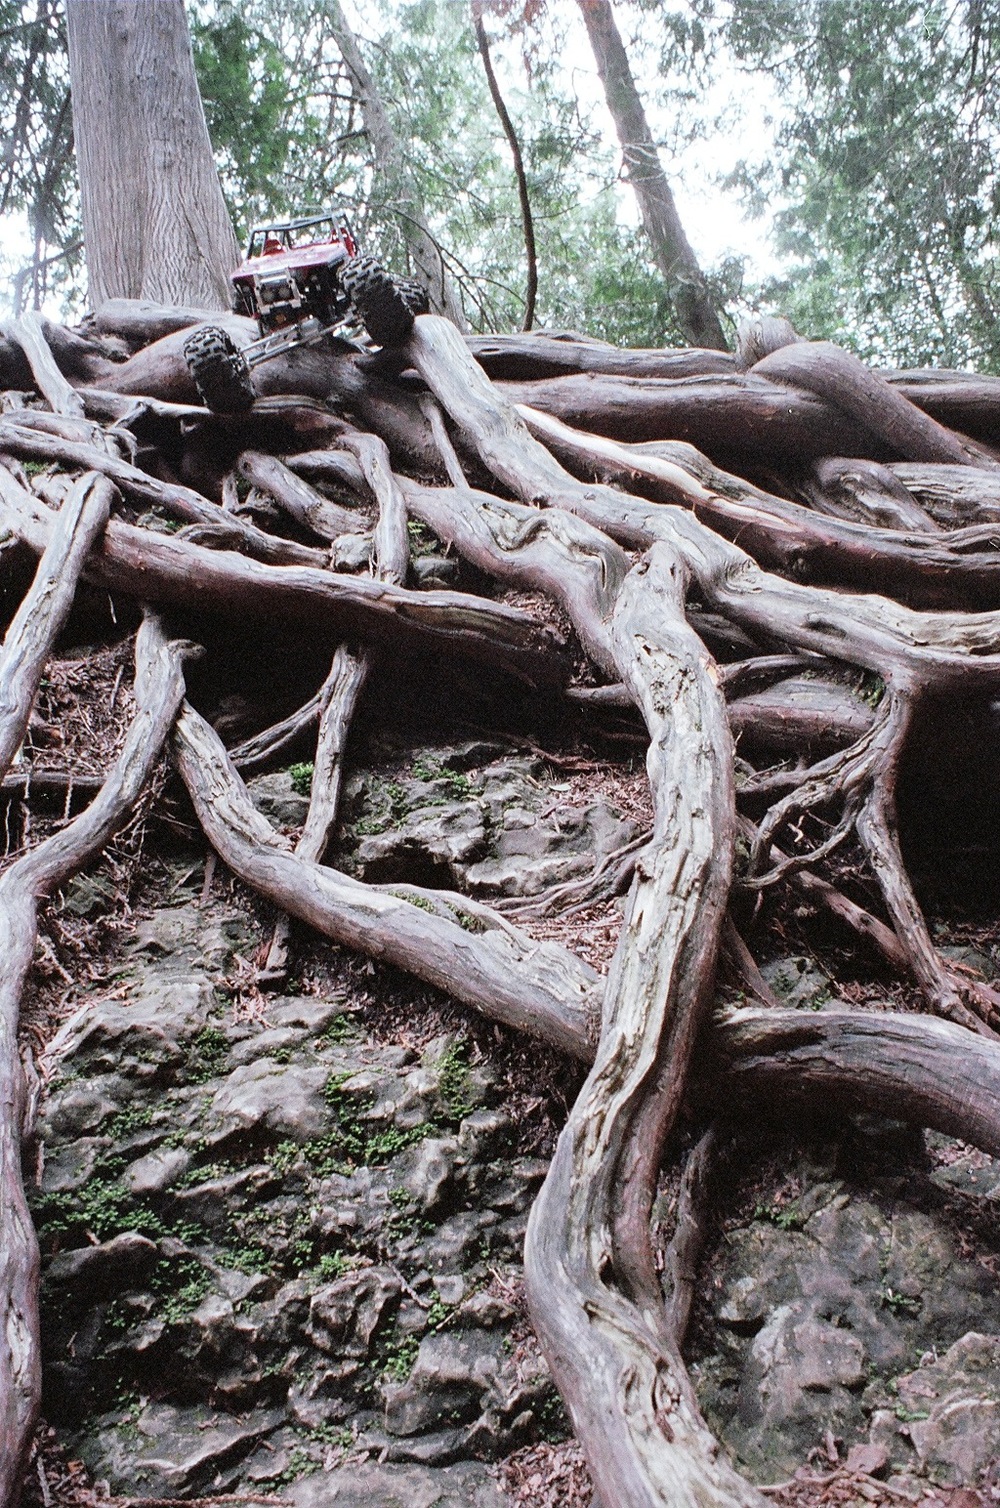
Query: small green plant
column 909, row 1416
column 898, row 1303
column 300, row 1464
column 301, row 776
column 355, row 1141
column 422, row 541
column 387, row 808
column 420, row 901
column 128, row 1122
column 457, row 784
column 455, row 1080
column 208, row 1053
column 179, row 1304
column 784, row 1216
column 871, row 689
column 335, row 1264
column 331, row 1434
column 465, row 919
column 400, row 1357
column 342, row 1028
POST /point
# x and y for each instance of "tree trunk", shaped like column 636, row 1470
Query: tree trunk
column 695, row 310
column 401, row 195
column 154, row 220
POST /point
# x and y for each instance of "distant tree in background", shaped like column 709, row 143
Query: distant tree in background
column 881, row 179
column 37, row 168
column 885, row 170
column 687, row 288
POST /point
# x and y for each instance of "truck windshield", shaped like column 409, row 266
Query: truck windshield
column 275, row 238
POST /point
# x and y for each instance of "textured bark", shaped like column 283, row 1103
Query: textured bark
column 295, row 497
column 841, row 379
column 930, row 1072
column 960, row 567
column 28, row 333
column 166, row 570
column 537, row 987
column 693, row 305
column 592, row 1282
column 161, row 230
column 37, row 622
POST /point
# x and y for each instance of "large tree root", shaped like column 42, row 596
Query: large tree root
column 535, row 987
column 172, row 572
column 43, row 611
column 827, row 676
column 159, row 687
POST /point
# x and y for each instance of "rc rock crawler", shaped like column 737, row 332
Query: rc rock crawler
column 301, row 280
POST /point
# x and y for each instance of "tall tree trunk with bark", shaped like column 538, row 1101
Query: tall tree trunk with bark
column 401, row 193
column 693, row 305
column 155, row 222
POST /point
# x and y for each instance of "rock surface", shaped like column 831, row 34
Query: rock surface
column 271, row 1244
column 845, row 1298
column 280, row 1249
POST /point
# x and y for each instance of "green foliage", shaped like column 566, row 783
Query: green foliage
column 334, row 1264
column 399, row 1358
column 887, row 164
column 455, row 1080
column 386, row 807
column 457, row 784
column 301, row 777
column 103, row 1207
column 37, row 172
column 353, row 1141
column 784, row 1216
column 421, row 540
column 128, row 1122
column 208, row 1054
column 183, row 1284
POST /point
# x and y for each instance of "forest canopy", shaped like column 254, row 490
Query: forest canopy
column 861, row 133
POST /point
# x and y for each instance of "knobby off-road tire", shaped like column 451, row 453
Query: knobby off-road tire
column 385, row 305
column 219, row 370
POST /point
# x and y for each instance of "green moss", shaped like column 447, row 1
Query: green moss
column 871, row 689
column 353, row 1135
column 335, row 1264
column 398, row 1358
column 422, row 541
column 182, row 1284
column 466, row 920
column 784, row 1216
column 387, row 807
column 300, row 1464
column 342, row 1029
column 455, row 1080
column 420, row 901
column 102, row 1208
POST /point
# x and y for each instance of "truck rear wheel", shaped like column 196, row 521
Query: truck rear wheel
column 219, row 370
column 385, row 306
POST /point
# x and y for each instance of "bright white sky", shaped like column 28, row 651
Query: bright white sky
column 713, row 218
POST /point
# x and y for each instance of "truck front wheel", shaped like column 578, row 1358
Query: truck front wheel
column 385, row 306
column 219, row 370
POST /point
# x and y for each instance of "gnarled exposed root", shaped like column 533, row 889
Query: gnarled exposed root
column 159, row 687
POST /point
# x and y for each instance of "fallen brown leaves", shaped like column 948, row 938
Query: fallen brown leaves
column 547, row 1476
